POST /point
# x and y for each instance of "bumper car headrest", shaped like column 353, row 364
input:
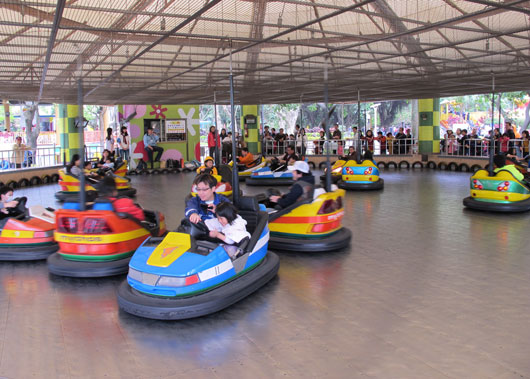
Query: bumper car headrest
column 247, row 203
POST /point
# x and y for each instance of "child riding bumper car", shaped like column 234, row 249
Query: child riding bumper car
column 100, row 241
column 223, row 176
column 360, row 176
column 183, row 276
column 69, row 183
column 27, row 234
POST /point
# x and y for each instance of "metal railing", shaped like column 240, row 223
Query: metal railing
column 479, row 147
column 40, row 157
column 401, row 146
column 30, row 158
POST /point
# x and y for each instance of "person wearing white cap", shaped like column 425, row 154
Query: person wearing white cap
column 302, row 189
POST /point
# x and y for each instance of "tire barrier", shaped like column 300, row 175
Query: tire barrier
column 164, row 171
column 23, row 183
column 12, row 184
column 35, row 181
column 381, row 164
column 155, row 171
column 132, row 172
column 431, row 165
column 476, row 167
column 405, row 163
column 46, row 179
column 186, row 170
column 442, row 166
column 452, row 166
column 391, row 164
column 321, row 165
column 417, row 164
column 54, row 178
column 312, row 165
column 144, row 172
column 463, row 167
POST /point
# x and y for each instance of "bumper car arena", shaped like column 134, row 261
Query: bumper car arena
column 399, row 292
column 265, row 189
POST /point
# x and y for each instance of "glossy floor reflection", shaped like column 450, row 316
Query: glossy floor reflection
column 427, row 290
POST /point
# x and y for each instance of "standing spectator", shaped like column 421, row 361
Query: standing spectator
column 150, row 145
column 497, row 140
column 281, row 139
column 473, row 150
column 222, row 135
column 19, row 150
column 273, row 133
column 213, row 141
column 408, row 142
column 322, row 141
column 508, row 130
column 464, row 141
column 525, row 143
column 390, row 143
column 301, row 141
column 124, row 143
column 337, row 136
column 268, row 143
column 109, row 141
column 400, row 140
column 452, row 145
column 227, row 147
column 382, row 142
column 369, row 141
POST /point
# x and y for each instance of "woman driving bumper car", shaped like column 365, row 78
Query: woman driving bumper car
column 307, row 219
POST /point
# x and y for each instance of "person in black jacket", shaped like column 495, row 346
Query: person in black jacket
column 302, row 189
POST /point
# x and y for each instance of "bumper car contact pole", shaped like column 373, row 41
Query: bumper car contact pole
column 80, row 125
column 217, row 147
column 492, row 140
column 357, row 141
column 235, row 175
column 328, row 165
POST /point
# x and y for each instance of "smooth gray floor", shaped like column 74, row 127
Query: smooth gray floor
column 427, row 290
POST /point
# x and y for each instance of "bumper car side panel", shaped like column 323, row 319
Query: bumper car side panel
column 160, row 308
column 63, row 267
column 513, row 207
column 335, row 241
column 362, row 186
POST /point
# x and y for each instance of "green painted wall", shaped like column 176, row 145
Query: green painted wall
column 429, row 125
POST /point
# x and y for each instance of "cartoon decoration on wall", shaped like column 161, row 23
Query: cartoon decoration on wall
column 158, row 111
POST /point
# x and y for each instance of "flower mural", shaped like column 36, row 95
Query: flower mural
column 158, row 111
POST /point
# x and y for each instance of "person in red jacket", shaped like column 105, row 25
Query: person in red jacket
column 212, row 137
column 107, row 189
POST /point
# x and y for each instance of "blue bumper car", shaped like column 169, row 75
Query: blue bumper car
column 183, row 276
column 266, row 177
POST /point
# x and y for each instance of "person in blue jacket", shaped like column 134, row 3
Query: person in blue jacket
column 202, row 207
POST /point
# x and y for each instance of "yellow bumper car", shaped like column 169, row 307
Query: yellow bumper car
column 360, row 176
column 501, row 192
column 310, row 225
column 70, row 187
column 336, row 171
